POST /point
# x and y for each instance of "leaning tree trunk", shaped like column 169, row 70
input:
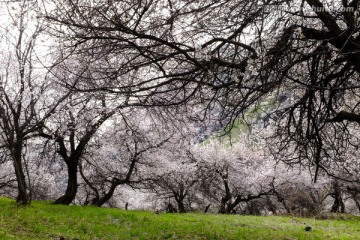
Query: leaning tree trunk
column 207, row 208
column 23, row 196
column 72, row 185
column 104, row 199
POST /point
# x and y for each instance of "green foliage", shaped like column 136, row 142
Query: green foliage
column 43, row 220
column 242, row 126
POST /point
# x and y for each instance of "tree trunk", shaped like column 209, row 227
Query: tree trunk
column 207, row 208
column 230, row 208
column 102, row 200
column 338, row 205
column 72, row 185
column 23, row 197
column 170, row 208
column 223, row 207
column 227, row 197
column 338, row 201
column 224, row 202
column 180, row 203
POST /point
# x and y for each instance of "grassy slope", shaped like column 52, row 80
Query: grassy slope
column 43, row 220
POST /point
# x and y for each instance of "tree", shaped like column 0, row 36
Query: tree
column 24, row 89
column 148, row 42
column 72, row 130
column 309, row 69
column 109, row 163
column 175, row 175
column 239, row 174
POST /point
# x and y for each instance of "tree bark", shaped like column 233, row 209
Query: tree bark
column 227, row 197
column 207, row 208
column 102, row 200
column 231, row 207
column 23, row 196
column 72, row 185
column 338, row 205
column 343, row 115
column 180, row 203
column 223, row 207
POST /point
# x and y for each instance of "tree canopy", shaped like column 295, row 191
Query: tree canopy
column 287, row 70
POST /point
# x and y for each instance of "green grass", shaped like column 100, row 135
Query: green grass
column 42, row 220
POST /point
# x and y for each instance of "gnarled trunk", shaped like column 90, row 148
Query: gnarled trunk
column 102, row 200
column 72, row 185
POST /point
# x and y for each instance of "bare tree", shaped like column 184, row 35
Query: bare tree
column 24, row 90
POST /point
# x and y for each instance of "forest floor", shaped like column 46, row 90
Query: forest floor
column 43, row 220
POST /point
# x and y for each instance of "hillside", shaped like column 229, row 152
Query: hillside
column 42, row 220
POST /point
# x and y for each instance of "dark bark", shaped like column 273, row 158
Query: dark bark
column 72, row 169
column 72, row 186
column 179, row 197
column 23, row 196
column 181, row 207
column 207, row 208
column 180, row 202
column 223, row 204
column 102, row 200
column 170, row 208
column 227, row 196
column 92, row 187
column 338, row 205
column 345, row 116
column 280, row 198
column 72, row 156
column 231, row 207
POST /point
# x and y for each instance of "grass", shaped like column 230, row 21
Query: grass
column 42, row 220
